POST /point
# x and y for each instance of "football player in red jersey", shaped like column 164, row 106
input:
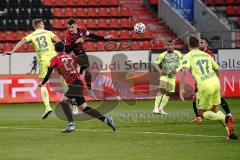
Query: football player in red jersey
column 74, row 40
column 204, row 47
column 66, row 65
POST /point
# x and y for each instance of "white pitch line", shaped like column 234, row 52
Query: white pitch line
column 130, row 132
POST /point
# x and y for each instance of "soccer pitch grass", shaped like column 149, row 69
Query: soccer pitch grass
column 140, row 135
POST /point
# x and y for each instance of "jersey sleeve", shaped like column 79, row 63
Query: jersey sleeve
column 186, row 63
column 51, row 34
column 28, row 37
column 159, row 59
column 53, row 62
column 84, row 32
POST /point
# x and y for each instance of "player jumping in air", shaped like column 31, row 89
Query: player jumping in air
column 42, row 41
column 204, row 47
column 205, row 70
column 167, row 64
column 66, row 64
column 74, row 40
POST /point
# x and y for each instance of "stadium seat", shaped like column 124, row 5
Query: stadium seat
column 125, row 23
column 57, row 23
column 100, row 46
column 68, row 12
column 91, row 12
column 12, row 13
column 125, row 45
column 219, row 2
column 91, row 2
column 46, row 13
column 59, row 34
column 9, row 35
column 10, row 24
column 153, row 2
column 101, row 33
column 3, row 4
column 136, row 45
column 57, row 12
column 114, row 34
column 70, row 3
column 48, row 2
column 23, row 13
column 80, row 12
column 59, row 3
column 113, row 12
column 134, row 21
column 80, row 3
column 103, row 12
column 91, row 23
column 136, row 35
column 25, row 3
column 35, row 13
column 23, row 48
column 158, row 45
column 114, row 2
column 147, row 45
column 13, row 3
column 124, row 11
column 36, row 3
column 113, row 23
column 90, row 46
column 148, row 35
column 103, row 2
column 2, row 25
column 22, row 25
column 238, row 10
column 230, row 2
column 1, row 36
column 230, row 10
column 20, row 35
column 124, row 34
column 7, row 46
column 81, row 23
column 102, row 23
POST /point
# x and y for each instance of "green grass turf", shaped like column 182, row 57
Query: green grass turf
column 140, row 135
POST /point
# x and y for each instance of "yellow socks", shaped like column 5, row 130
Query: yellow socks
column 161, row 101
column 214, row 116
column 45, row 97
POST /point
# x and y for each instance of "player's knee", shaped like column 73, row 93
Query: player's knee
column 82, row 106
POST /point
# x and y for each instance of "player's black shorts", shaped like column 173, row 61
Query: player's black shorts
column 75, row 92
column 83, row 60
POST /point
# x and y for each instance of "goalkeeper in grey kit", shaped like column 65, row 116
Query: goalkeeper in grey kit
column 167, row 64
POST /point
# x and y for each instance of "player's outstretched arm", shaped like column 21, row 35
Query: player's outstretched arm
column 100, row 38
column 46, row 78
column 18, row 45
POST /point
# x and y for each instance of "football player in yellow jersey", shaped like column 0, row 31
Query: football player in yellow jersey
column 167, row 64
column 205, row 71
column 43, row 43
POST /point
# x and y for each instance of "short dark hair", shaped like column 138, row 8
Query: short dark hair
column 71, row 21
column 36, row 22
column 205, row 39
column 193, row 41
column 59, row 46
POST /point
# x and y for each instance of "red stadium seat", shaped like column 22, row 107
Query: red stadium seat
column 57, row 23
column 230, row 10
column 134, row 21
column 124, row 11
column 148, row 34
column 114, row 34
column 20, row 35
column 29, row 47
column 125, row 23
column 48, row 2
column 90, row 46
column 103, row 2
column 81, row 23
column 125, row 45
column 136, row 45
column 113, row 23
column 23, row 48
column 68, row 12
column 70, row 2
column 9, row 35
column 91, row 12
column 57, row 12
column 102, row 23
column 230, row 2
column 80, row 12
column 91, row 2
column 91, row 23
column 113, row 12
column 238, row 10
column 124, row 34
column 101, row 33
column 219, row 2
column 147, row 45
column 80, row 3
column 158, row 45
column 7, row 46
column 137, row 35
column 59, row 3
column 103, row 12
column 59, row 34
column 1, row 36
column 114, row 2
column 153, row 2
column 100, row 46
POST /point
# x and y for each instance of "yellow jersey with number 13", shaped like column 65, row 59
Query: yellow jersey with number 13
column 42, row 41
column 202, row 67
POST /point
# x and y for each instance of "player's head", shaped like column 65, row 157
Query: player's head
column 170, row 46
column 59, row 46
column 204, row 44
column 193, row 42
column 38, row 24
column 72, row 25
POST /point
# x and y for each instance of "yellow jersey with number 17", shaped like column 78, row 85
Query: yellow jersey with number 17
column 42, row 41
column 202, row 67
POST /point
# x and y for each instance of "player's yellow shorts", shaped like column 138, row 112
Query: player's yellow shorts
column 168, row 83
column 43, row 68
column 208, row 96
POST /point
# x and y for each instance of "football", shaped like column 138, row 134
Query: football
column 139, row 28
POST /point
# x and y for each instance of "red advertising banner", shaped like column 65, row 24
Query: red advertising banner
column 131, row 85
